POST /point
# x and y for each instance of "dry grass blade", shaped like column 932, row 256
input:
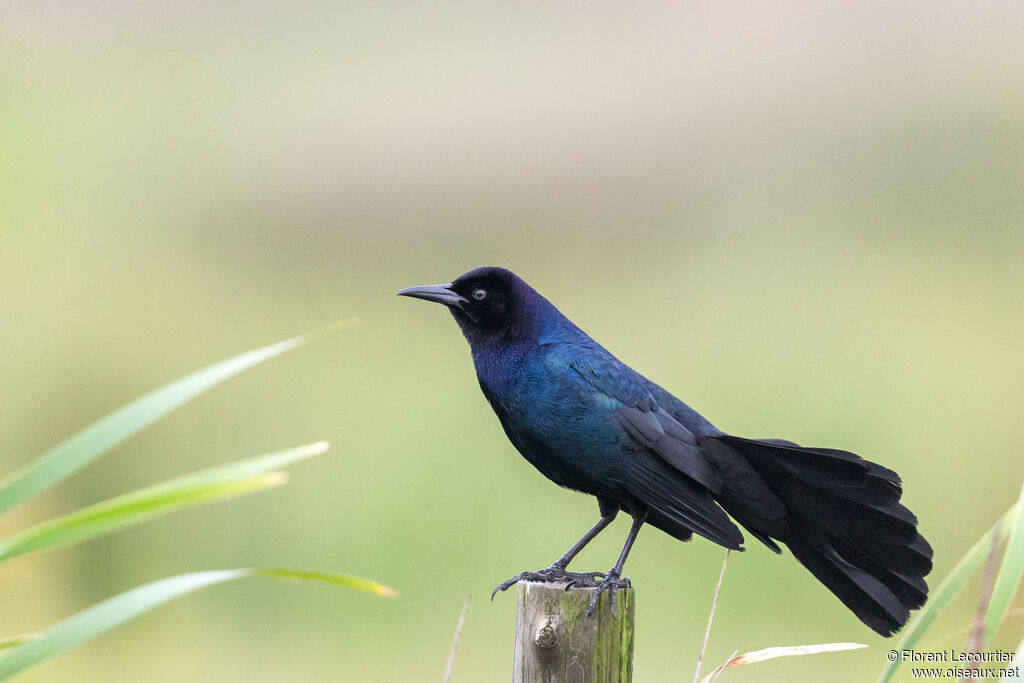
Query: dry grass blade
column 775, row 652
column 713, row 676
column 455, row 640
column 711, row 618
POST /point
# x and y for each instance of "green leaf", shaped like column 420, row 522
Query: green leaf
column 325, row 577
column 949, row 589
column 17, row 640
column 217, row 483
column 114, row 611
column 85, row 446
column 1010, row 572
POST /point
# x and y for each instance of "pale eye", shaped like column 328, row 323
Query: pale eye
column 479, row 294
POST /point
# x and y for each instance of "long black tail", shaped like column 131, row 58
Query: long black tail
column 840, row 516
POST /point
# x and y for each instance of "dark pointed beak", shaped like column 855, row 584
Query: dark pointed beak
column 441, row 294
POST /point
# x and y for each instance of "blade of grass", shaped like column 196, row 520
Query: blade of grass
column 455, row 641
column 298, row 575
column 17, row 640
column 103, row 616
column 949, row 589
column 1010, row 573
column 716, row 673
column 776, row 652
column 217, row 483
column 711, row 618
column 1014, row 671
column 83, row 447
column 976, row 639
column 957, row 633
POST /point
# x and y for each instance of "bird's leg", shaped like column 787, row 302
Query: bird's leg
column 613, row 580
column 556, row 572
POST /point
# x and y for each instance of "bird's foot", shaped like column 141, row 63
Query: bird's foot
column 584, row 579
column 611, row 583
column 553, row 574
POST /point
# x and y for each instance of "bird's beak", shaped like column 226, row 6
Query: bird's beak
column 441, row 294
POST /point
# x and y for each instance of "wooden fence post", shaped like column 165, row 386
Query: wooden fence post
column 555, row 645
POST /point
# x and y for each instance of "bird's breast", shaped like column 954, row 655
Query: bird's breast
column 558, row 427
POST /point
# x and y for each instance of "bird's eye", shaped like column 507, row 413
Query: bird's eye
column 479, row 294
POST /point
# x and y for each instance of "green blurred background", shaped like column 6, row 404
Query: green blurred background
column 806, row 221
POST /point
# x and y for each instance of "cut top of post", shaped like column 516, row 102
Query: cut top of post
column 557, row 643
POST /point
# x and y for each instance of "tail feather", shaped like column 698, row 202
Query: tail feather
column 842, row 520
column 819, row 465
column 891, row 523
column 878, row 486
column 876, row 490
column 913, row 559
column 874, row 602
column 912, row 591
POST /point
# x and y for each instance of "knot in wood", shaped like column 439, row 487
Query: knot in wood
column 546, row 636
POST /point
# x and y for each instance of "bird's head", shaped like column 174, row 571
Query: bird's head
column 488, row 303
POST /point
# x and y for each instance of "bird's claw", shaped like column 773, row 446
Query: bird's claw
column 584, row 580
column 599, row 581
column 612, row 582
column 553, row 574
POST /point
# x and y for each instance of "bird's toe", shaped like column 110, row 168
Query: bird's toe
column 611, row 583
column 552, row 574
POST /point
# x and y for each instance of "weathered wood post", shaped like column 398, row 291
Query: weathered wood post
column 555, row 645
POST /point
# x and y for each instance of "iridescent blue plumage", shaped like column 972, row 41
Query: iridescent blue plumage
column 591, row 423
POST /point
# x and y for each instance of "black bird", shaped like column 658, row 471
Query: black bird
column 591, row 423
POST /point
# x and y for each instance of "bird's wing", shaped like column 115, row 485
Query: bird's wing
column 667, row 470
column 639, row 413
